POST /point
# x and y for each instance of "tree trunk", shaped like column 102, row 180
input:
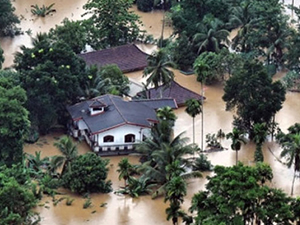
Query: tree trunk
column 193, row 130
column 292, row 189
column 162, row 31
column 202, row 115
column 236, row 157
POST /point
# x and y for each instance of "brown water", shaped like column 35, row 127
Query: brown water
column 144, row 210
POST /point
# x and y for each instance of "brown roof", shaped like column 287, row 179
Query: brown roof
column 127, row 57
column 175, row 91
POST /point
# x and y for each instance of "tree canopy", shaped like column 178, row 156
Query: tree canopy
column 13, row 121
column 111, row 23
column 8, row 19
column 254, row 96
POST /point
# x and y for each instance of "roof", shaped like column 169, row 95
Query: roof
column 127, row 57
column 175, row 91
column 117, row 113
column 158, row 102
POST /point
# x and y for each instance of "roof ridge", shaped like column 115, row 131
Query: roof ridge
column 185, row 88
column 117, row 108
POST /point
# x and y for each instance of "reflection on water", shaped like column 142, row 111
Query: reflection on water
column 144, row 210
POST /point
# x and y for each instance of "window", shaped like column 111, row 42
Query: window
column 129, row 138
column 108, row 138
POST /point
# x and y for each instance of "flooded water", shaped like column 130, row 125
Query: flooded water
column 144, row 210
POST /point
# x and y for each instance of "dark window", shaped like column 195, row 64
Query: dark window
column 129, row 138
column 108, row 138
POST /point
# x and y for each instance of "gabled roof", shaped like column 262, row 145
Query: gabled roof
column 127, row 57
column 175, row 91
column 117, row 113
column 158, row 102
column 95, row 103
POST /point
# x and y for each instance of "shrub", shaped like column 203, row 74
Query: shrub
column 145, row 5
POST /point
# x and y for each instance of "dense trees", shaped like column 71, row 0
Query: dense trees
column 238, row 195
column 111, row 23
column 8, row 19
column 88, row 174
column 252, row 88
column 13, row 121
column 51, row 74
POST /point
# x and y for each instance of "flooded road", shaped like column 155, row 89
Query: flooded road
column 144, row 210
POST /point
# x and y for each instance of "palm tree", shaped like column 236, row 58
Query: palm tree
column 201, row 69
column 158, row 71
column 237, row 138
column 193, row 108
column 210, row 36
column 125, row 169
column 54, row 164
column 69, row 151
column 220, row 135
column 36, row 163
column 260, row 131
column 291, row 151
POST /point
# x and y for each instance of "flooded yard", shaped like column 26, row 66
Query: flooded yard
column 123, row 209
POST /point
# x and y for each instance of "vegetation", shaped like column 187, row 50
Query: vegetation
column 43, row 10
column 14, row 121
column 88, row 174
column 111, row 23
column 252, row 88
column 237, row 138
column 8, row 20
column 193, row 108
column 238, row 195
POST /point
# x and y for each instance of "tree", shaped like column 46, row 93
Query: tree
column 176, row 190
column 52, row 74
column 119, row 83
column 237, row 195
column 260, row 133
column 202, row 70
column 72, row 33
column 193, row 108
column 124, row 169
column 8, row 19
column 210, row 37
column 158, row 69
column 69, row 151
column 252, row 88
column 88, row 174
column 111, row 23
column 13, row 121
column 16, row 197
column 291, row 149
column 237, row 138
column 1, row 57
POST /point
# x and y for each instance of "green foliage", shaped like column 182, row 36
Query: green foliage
column 1, row 57
column 291, row 81
column 212, row 142
column 111, row 23
column 252, row 88
column 69, row 201
column 118, row 81
column 8, row 19
column 16, row 200
column 52, row 74
column 72, row 33
column 157, row 70
column 137, row 187
column 193, row 108
column 87, row 174
column 237, row 195
column 13, row 121
column 125, row 169
column 258, row 154
column 87, row 203
column 42, row 11
column 145, row 5
column 201, row 163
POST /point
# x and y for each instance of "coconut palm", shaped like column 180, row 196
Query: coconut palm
column 124, row 169
column 54, row 164
column 69, row 151
column 291, row 152
column 210, row 37
column 237, row 138
column 36, row 163
column 193, row 108
column 158, row 69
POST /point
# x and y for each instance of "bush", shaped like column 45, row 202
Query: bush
column 202, row 164
column 145, row 5
column 87, row 174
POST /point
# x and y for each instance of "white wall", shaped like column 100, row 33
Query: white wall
column 120, row 132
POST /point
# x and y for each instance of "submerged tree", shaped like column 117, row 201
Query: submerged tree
column 237, row 138
column 111, row 23
column 193, row 108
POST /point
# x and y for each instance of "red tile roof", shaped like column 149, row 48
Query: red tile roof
column 127, row 57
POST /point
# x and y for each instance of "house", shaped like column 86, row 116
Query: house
column 174, row 91
column 111, row 125
column 129, row 58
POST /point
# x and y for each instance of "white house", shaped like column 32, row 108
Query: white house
column 111, row 125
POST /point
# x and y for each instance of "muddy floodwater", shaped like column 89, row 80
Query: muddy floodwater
column 143, row 210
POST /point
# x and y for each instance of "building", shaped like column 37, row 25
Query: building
column 111, row 125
